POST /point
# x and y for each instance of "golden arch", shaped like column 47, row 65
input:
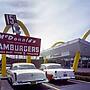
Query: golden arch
column 60, row 42
column 28, row 60
column 76, row 61
column 77, row 56
column 86, row 35
column 21, row 25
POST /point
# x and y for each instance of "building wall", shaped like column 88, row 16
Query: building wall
column 84, row 48
column 66, row 53
column 67, row 49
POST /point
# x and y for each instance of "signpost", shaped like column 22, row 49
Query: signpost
column 16, row 44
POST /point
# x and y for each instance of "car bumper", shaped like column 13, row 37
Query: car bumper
column 29, row 82
column 63, row 78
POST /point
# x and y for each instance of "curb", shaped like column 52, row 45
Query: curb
column 84, row 78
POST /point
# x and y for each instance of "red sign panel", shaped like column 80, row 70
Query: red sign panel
column 19, row 45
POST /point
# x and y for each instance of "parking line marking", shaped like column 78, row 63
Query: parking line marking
column 83, row 81
column 51, row 86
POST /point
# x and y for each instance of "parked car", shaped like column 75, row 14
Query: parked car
column 25, row 73
column 8, row 66
column 56, row 72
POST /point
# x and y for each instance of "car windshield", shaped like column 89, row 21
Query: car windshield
column 54, row 67
column 24, row 67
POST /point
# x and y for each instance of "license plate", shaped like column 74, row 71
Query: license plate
column 65, row 75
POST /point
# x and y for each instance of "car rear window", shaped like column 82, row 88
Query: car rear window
column 54, row 67
column 24, row 67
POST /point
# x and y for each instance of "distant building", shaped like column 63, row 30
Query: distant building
column 65, row 53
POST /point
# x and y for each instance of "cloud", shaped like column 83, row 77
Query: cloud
column 50, row 20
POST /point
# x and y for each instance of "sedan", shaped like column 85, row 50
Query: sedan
column 56, row 72
column 25, row 73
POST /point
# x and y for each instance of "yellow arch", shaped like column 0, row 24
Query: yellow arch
column 76, row 61
column 6, row 29
column 21, row 25
column 86, row 35
column 60, row 42
column 77, row 56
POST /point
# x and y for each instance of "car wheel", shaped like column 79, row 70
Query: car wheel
column 65, row 80
column 10, row 81
column 39, row 84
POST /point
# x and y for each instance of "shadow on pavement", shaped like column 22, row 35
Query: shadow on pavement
column 62, row 82
column 31, row 87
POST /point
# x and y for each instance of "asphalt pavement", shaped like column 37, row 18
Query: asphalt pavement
column 55, row 85
column 5, row 85
column 0, row 84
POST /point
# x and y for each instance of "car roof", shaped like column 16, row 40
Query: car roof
column 14, row 64
column 48, row 64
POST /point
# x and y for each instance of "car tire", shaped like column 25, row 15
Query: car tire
column 66, row 80
column 10, row 81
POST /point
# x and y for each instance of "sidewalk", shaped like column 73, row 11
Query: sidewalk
column 84, row 70
column 83, row 74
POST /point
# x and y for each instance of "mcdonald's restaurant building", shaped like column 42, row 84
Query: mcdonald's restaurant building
column 65, row 53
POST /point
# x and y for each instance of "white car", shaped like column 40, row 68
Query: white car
column 54, row 71
column 25, row 73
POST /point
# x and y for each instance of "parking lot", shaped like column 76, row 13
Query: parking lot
column 54, row 85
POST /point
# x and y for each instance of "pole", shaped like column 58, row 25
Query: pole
column 3, row 70
column 28, row 59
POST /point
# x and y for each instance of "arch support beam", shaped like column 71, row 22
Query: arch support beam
column 77, row 56
column 76, row 61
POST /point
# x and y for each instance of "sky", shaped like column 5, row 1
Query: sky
column 50, row 20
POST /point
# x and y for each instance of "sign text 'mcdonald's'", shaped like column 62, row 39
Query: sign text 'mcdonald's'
column 19, row 45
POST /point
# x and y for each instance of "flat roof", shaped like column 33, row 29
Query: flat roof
column 48, row 64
